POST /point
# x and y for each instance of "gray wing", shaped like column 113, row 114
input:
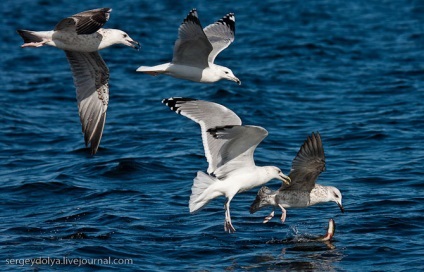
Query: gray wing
column 86, row 22
column 221, row 34
column 238, row 143
column 91, row 79
column 192, row 47
column 307, row 165
column 209, row 116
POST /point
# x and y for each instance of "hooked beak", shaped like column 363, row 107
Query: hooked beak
column 134, row 44
column 236, row 80
column 341, row 207
column 285, row 179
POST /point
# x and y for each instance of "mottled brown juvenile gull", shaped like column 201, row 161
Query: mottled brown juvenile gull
column 81, row 36
column 302, row 190
column 196, row 49
column 229, row 148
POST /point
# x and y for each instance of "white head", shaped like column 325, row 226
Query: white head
column 116, row 36
column 333, row 194
column 226, row 73
column 275, row 172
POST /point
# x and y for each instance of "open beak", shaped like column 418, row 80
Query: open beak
column 134, row 44
column 285, row 179
column 341, row 207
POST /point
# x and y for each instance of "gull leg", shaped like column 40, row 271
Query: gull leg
column 269, row 217
column 34, row 44
column 283, row 216
column 228, row 227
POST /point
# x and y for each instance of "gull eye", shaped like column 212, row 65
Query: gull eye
column 226, row 72
column 336, row 196
column 125, row 35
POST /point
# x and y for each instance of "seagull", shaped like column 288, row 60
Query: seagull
column 81, row 36
column 229, row 148
column 196, row 49
column 302, row 190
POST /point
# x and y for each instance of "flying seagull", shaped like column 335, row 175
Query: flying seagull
column 196, row 49
column 81, row 36
column 229, row 148
column 302, row 191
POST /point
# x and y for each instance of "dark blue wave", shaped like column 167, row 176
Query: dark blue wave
column 351, row 70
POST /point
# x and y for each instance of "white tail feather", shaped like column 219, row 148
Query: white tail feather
column 200, row 196
column 158, row 69
column 146, row 69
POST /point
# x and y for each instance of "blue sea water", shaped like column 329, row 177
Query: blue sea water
column 352, row 70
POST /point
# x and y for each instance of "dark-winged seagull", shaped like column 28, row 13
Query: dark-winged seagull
column 196, row 49
column 81, row 36
column 302, row 190
column 229, row 149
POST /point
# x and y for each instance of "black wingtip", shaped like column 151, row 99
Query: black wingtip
column 173, row 102
column 192, row 17
column 97, row 18
column 229, row 20
column 93, row 150
column 215, row 131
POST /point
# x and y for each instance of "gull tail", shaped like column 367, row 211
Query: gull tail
column 30, row 36
column 201, row 191
column 153, row 70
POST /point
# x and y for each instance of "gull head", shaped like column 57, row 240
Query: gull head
column 120, row 37
column 226, row 73
column 265, row 197
column 335, row 195
column 278, row 174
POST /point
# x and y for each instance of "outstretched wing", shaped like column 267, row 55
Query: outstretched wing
column 307, row 165
column 221, row 34
column 209, row 116
column 192, row 47
column 238, row 143
column 91, row 79
column 86, row 22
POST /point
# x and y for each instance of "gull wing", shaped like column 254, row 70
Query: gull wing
column 236, row 147
column 91, row 79
column 86, row 22
column 209, row 116
column 192, row 47
column 221, row 34
column 308, row 164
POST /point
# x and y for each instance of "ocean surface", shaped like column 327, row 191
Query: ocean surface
column 351, row 70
